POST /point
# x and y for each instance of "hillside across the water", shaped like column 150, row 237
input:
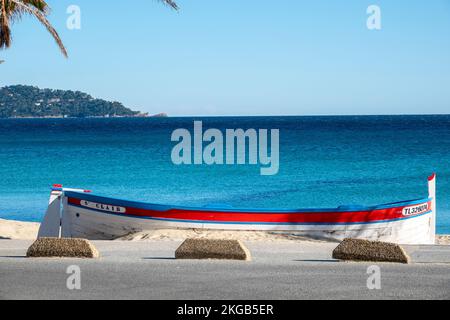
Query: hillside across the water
column 31, row 102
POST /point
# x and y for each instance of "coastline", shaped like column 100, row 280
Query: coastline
column 140, row 115
column 20, row 230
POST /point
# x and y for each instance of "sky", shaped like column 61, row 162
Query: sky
column 235, row 57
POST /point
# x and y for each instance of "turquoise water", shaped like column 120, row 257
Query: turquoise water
column 324, row 162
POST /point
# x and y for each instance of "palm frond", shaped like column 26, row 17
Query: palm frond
column 171, row 4
column 41, row 5
column 10, row 10
column 31, row 9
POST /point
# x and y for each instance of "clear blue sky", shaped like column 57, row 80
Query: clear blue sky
column 236, row 57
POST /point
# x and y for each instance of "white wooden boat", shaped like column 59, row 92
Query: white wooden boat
column 81, row 214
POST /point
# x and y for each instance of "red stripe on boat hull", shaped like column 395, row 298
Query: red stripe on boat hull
column 373, row 216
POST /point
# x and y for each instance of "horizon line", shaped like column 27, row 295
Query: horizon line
column 241, row 116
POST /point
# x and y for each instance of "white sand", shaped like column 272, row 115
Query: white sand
column 443, row 240
column 18, row 230
column 179, row 235
column 28, row 231
column 182, row 234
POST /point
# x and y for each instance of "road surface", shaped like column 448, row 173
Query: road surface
column 283, row 270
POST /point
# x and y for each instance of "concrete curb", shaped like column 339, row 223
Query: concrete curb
column 373, row 251
column 62, row 248
column 212, row 249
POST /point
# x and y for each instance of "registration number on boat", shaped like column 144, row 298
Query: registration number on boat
column 103, row 207
column 414, row 210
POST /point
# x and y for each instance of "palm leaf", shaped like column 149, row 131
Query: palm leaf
column 171, row 4
column 13, row 9
column 27, row 7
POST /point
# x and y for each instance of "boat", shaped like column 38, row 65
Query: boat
column 75, row 213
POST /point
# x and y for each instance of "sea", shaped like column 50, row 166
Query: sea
column 324, row 162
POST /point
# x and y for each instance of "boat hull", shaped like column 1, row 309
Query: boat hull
column 104, row 226
column 410, row 222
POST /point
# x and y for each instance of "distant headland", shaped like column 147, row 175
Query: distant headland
column 32, row 102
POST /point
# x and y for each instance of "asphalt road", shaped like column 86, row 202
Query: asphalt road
column 148, row 270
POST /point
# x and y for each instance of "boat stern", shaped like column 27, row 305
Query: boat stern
column 432, row 196
column 51, row 224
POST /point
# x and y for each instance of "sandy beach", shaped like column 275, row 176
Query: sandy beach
column 18, row 230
